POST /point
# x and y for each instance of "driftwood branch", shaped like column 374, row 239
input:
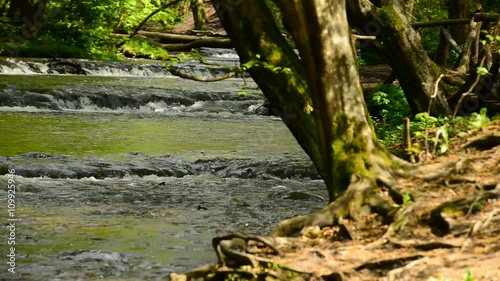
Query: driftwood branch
column 178, row 37
column 450, row 40
column 214, row 43
column 180, row 40
column 175, row 71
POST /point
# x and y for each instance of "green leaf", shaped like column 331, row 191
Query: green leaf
column 407, row 199
column 422, row 116
column 482, row 71
column 483, row 112
column 443, row 148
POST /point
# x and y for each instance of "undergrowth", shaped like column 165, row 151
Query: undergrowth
column 387, row 106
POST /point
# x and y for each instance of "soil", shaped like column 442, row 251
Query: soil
column 213, row 25
column 462, row 237
column 451, row 229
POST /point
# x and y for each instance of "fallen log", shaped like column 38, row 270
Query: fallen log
column 478, row 17
column 180, row 42
column 177, row 37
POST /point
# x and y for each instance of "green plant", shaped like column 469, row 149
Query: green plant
column 142, row 49
column 407, row 200
column 478, row 120
column 387, row 106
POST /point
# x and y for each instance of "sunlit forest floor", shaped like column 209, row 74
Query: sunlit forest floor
column 451, row 230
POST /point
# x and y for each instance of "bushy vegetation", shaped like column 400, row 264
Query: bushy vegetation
column 387, row 106
column 67, row 28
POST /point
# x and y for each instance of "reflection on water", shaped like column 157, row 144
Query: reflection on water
column 96, row 134
column 128, row 227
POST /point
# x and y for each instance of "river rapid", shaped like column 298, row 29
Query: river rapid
column 124, row 172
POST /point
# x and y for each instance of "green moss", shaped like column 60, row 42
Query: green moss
column 349, row 151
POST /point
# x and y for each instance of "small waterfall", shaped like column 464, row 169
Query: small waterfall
column 12, row 66
column 216, row 62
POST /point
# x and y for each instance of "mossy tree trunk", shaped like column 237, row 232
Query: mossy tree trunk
column 459, row 9
column 319, row 95
column 20, row 9
column 199, row 15
column 401, row 46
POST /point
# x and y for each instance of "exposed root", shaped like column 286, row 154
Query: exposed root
column 430, row 172
column 400, row 220
column 480, row 226
column 439, row 218
column 359, row 195
column 374, row 231
column 233, row 247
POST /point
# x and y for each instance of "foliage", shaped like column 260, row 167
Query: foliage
column 140, row 48
column 446, row 128
column 428, row 10
column 82, row 28
column 387, row 106
column 407, row 200
column 257, row 62
column 367, row 57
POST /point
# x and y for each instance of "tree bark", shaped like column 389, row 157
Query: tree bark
column 4, row 7
column 19, row 9
column 199, row 15
column 400, row 44
column 458, row 9
column 319, row 96
column 252, row 37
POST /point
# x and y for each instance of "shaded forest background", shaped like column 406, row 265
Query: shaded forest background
column 85, row 28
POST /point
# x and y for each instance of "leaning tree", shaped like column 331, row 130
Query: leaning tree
column 319, row 96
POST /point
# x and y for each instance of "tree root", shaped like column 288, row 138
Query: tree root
column 236, row 263
column 359, row 195
column 438, row 220
column 233, row 247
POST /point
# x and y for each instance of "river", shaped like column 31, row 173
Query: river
column 127, row 173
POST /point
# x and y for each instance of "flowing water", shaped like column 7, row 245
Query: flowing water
column 127, row 173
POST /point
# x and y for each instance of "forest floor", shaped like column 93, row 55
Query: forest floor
column 452, row 231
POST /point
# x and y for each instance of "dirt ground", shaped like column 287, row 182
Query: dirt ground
column 213, row 25
column 451, row 230
column 453, row 226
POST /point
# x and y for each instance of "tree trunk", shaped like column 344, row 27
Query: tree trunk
column 4, row 7
column 319, row 96
column 400, row 44
column 20, row 9
column 199, row 15
column 262, row 37
column 459, row 9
